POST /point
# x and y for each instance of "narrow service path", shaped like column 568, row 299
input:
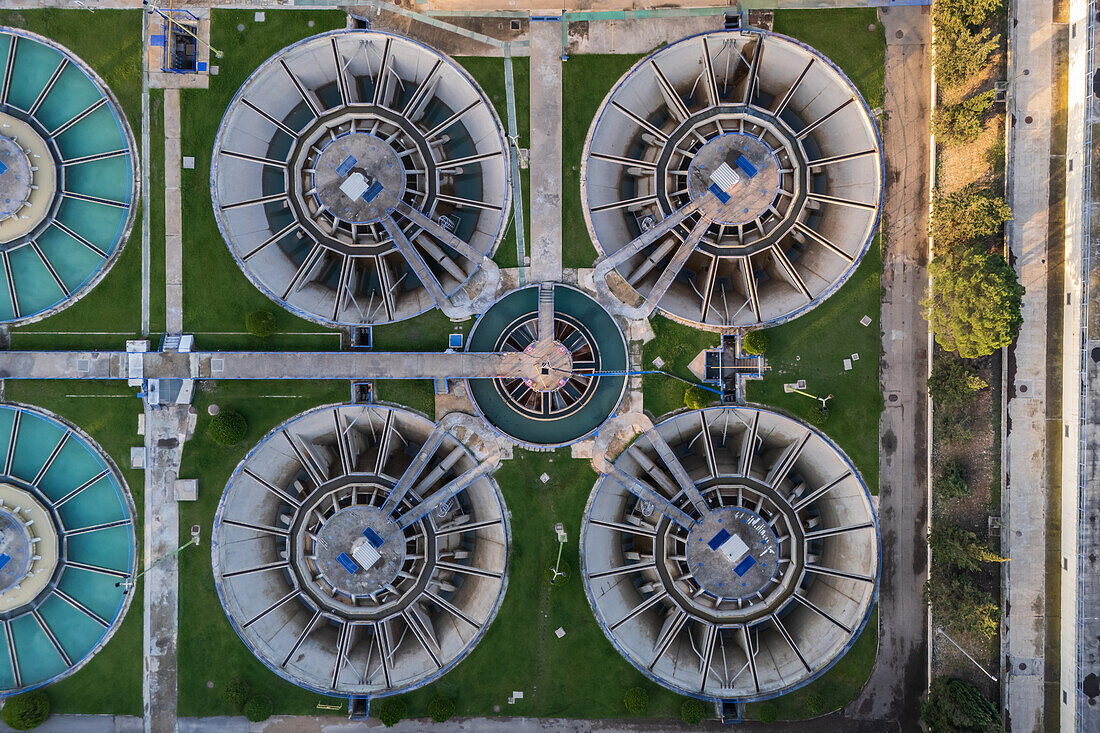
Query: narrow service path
column 1025, row 494
column 546, row 154
column 173, row 216
column 898, row 679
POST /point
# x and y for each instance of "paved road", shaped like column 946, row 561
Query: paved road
column 1025, row 494
column 899, row 676
column 545, row 151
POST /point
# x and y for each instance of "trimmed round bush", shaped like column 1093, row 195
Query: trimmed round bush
column 392, row 711
column 755, row 342
column 258, row 708
column 260, row 323
column 636, row 700
column 696, row 397
column 692, row 711
column 818, row 415
column 26, row 711
column 767, row 713
column 816, row 704
column 441, row 709
column 228, row 427
column 236, row 692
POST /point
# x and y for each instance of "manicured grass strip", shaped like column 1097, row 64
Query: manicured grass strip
column 843, row 35
column 426, row 332
column 110, row 684
column 586, row 80
column 216, row 294
column 676, row 345
column 578, row 676
column 157, row 295
column 814, row 346
column 209, row 649
column 419, row 394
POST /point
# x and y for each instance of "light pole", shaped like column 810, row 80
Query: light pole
column 822, row 400
column 555, row 573
column 939, row 630
column 128, row 583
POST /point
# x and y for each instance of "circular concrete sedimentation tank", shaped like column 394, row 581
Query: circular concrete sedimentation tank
column 360, row 550
column 731, row 553
column 782, row 136
column 68, row 184
column 67, row 548
column 581, row 355
column 360, row 177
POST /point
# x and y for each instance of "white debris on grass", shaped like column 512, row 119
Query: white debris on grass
column 847, row 365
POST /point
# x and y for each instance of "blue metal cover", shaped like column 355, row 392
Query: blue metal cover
column 719, row 193
column 744, row 164
column 373, row 538
column 3, row 168
column 719, row 539
column 454, row 341
column 4, row 560
column 350, row 565
column 345, row 168
column 372, row 192
column 744, row 565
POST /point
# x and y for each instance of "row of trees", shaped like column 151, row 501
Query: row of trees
column 974, row 305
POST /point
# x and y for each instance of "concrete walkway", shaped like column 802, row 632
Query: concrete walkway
column 1025, row 495
column 546, row 157
column 898, row 680
column 173, row 216
column 165, row 430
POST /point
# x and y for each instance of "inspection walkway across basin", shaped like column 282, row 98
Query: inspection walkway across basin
column 263, row 365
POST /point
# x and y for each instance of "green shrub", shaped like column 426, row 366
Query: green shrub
column 972, row 12
column 636, row 700
column 26, row 711
column 816, row 703
column 696, row 397
column 954, row 705
column 767, row 713
column 818, row 415
column 692, row 711
column 950, row 483
column 441, row 709
column 965, row 216
column 236, row 692
column 755, row 342
column 960, row 605
column 959, row 52
column 392, row 711
column 975, row 302
column 228, row 427
column 952, row 384
column 962, row 122
column 260, row 323
column 258, row 708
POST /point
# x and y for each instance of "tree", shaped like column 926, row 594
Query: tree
column 962, row 122
column 227, row 428
column 755, row 342
column 959, row 548
column 950, row 483
column 392, row 711
column 975, row 303
column 441, row 709
column 952, row 384
column 969, row 214
column 692, row 711
column 959, row 52
column 258, row 708
column 636, row 700
column 696, row 398
column 26, row 711
column 956, row 706
column 960, row 605
column 236, row 692
column 260, row 323
column 971, row 12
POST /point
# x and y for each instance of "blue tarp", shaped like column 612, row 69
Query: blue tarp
column 4, row 560
column 373, row 538
column 744, row 164
column 719, row 539
column 344, row 168
column 350, row 565
column 372, row 192
column 719, row 193
column 744, row 565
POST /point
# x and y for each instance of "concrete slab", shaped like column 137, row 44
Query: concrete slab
column 173, row 214
column 546, row 152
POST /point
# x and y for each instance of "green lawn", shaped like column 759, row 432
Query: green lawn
column 842, row 35
column 418, row 394
column 676, row 345
column 114, row 305
column 489, row 73
column 205, row 633
column 836, row 687
column 216, row 295
column 426, row 332
column 157, row 295
column 111, row 681
column 813, row 347
column 586, row 80
column 578, row 676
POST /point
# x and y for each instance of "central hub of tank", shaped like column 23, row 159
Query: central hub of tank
column 359, row 178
